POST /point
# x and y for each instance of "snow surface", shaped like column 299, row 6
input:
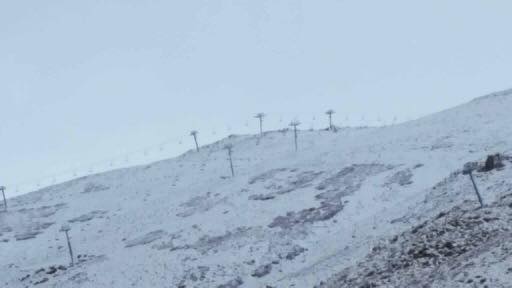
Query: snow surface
column 287, row 219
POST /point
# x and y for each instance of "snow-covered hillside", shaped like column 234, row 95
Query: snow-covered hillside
column 337, row 213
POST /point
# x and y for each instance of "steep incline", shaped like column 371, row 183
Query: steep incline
column 286, row 219
column 463, row 246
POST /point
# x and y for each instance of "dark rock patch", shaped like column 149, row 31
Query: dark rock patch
column 266, row 176
column 169, row 243
column 32, row 231
column 262, row 197
column 235, row 283
column 94, row 187
column 51, row 270
column 43, row 211
column 199, row 204
column 88, row 217
column 79, row 278
column 146, row 239
column 439, row 249
column 237, row 238
column 295, row 251
column 262, row 271
column 24, row 277
column 283, row 181
column 325, row 212
column 194, row 275
column 44, row 280
column 402, row 178
column 493, row 162
column 341, row 184
column 417, row 166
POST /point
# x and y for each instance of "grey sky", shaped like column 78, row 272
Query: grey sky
column 85, row 81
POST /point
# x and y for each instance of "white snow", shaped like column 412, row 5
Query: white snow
column 186, row 221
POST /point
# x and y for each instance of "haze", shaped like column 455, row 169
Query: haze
column 94, row 85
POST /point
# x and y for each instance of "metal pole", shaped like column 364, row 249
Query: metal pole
column 197, row 145
column 260, row 116
column 329, row 113
column 295, row 132
column 193, row 133
column 294, row 124
column 231, row 163
column 70, row 250
column 476, row 189
column 5, row 201
column 261, row 126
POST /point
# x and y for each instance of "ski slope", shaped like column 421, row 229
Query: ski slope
column 287, row 218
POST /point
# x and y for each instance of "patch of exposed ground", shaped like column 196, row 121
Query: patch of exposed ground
column 92, row 187
column 194, row 275
column 342, row 184
column 4, row 228
column 43, row 211
column 200, row 204
column 168, row 242
column 273, row 247
column 401, row 178
column 236, row 239
column 442, row 143
column 59, row 275
column 267, row 175
column 439, row 252
column 283, row 181
column 457, row 188
column 235, row 283
column 30, row 222
column 32, row 230
column 88, row 216
column 146, row 238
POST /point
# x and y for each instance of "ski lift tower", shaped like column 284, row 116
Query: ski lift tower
column 2, row 188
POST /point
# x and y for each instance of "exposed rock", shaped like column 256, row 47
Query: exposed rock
column 295, row 251
column 235, row 283
column 43, row 211
column 236, row 238
column 402, row 178
column 194, row 275
column 94, row 187
column 283, row 181
column 267, row 175
column 79, row 278
column 24, row 277
column 325, row 212
column 200, row 204
column 492, row 162
column 262, row 271
column 349, row 178
column 262, row 197
column 89, row 216
column 146, row 239
column 417, row 166
column 250, row 262
column 26, row 235
column 44, row 280
column 51, row 270
column 343, row 183
column 435, row 250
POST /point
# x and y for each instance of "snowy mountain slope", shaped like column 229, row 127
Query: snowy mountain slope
column 287, row 219
column 459, row 247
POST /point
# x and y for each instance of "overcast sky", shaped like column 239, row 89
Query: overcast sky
column 82, row 83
